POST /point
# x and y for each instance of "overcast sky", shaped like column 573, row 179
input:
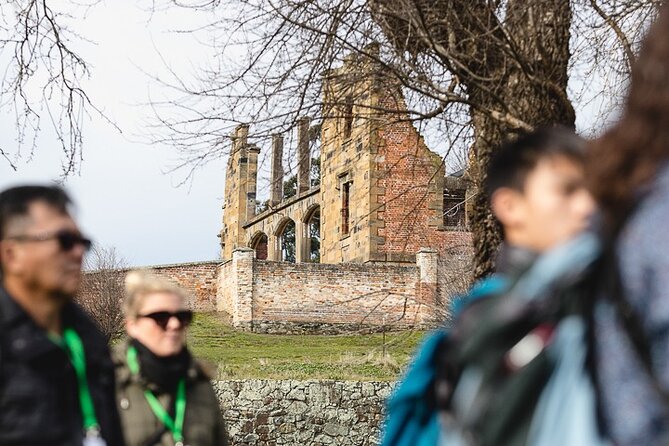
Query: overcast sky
column 125, row 199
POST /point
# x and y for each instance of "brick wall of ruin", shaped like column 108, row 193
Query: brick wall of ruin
column 272, row 296
column 409, row 193
column 331, row 294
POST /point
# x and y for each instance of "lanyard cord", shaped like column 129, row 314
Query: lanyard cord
column 174, row 425
column 74, row 348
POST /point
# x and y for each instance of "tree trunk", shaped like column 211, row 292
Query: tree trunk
column 513, row 69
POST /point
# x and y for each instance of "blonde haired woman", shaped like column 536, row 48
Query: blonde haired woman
column 164, row 396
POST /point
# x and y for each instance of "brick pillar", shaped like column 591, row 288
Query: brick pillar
column 242, row 294
column 427, row 296
column 303, row 155
column 276, row 178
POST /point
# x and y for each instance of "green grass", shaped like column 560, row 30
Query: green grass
column 243, row 355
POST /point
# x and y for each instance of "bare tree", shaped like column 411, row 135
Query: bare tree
column 102, row 290
column 475, row 71
column 41, row 79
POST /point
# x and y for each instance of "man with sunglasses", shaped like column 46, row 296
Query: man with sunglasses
column 56, row 376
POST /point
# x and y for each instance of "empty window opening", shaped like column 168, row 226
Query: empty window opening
column 348, row 117
column 314, row 236
column 345, row 208
column 454, row 208
column 287, row 238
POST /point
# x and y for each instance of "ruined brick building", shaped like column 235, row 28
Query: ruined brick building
column 382, row 194
column 371, row 241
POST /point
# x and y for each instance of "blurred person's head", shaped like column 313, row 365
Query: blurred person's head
column 627, row 157
column 536, row 187
column 155, row 313
column 41, row 247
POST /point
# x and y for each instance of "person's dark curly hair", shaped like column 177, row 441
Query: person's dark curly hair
column 627, row 157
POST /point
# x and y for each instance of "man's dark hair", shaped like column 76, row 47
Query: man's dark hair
column 510, row 165
column 14, row 202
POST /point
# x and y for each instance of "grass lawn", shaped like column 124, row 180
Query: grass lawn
column 242, row 355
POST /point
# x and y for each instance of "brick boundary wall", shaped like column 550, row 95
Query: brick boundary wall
column 292, row 413
column 199, row 279
column 280, row 297
column 455, row 275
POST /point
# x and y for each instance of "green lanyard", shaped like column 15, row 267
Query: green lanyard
column 175, row 426
column 71, row 343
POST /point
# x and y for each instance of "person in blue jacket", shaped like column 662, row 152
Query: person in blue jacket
column 536, row 189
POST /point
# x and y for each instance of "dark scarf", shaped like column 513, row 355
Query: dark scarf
column 514, row 261
column 163, row 371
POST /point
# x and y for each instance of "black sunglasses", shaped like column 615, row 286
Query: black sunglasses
column 162, row 318
column 67, row 240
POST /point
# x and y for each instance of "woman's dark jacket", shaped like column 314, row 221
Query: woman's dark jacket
column 203, row 424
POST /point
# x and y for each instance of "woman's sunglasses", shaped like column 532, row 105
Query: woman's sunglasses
column 162, row 318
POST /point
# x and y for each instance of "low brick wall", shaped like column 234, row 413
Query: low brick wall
column 199, row 278
column 455, row 276
column 347, row 293
column 227, row 284
column 282, row 297
column 267, row 412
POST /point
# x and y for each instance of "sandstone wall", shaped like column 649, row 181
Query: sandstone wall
column 266, row 412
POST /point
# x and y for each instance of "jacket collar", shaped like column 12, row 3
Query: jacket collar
column 124, row 377
column 29, row 341
column 513, row 261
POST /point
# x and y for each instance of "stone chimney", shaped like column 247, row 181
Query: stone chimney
column 276, row 178
column 303, row 155
column 252, row 152
column 240, row 137
column 240, row 190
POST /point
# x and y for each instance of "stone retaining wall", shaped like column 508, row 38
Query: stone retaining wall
column 273, row 413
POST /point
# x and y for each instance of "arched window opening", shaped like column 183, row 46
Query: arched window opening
column 287, row 240
column 259, row 244
column 314, row 236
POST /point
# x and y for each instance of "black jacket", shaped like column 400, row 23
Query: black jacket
column 39, row 401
